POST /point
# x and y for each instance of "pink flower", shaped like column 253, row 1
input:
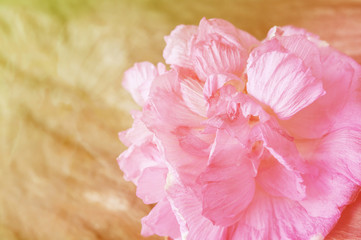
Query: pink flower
column 243, row 139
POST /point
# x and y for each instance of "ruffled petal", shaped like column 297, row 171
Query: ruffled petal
column 151, row 184
column 281, row 81
column 178, row 46
column 166, row 104
column 339, row 73
column 278, row 181
column 138, row 80
column 339, row 152
column 192, row 94
column 227, row 184
column 293, row 31
column 327, row 193
column 280, row 145
column 305, row 50
column 193, row 141
column 215, row 82
column 135, row 159
column 161, row 221
column 250, row 108
column 215, row 57
column 221, row 29
column 137, row 134
column 227, row 102
column 271, row 218
column 188, row 211
column 183, row 158
column 166, row 113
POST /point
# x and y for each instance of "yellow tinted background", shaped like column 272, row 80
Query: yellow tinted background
column 62, row 103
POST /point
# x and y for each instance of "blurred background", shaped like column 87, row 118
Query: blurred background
column 62, row 103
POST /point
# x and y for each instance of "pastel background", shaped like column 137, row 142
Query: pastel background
column 62, row 103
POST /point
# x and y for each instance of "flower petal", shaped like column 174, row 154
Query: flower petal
column 192, row 94
column 339, row 73
column 188, row 210
column 135, row 159
column 292, row 31
column 282, row 82
column 227, row 184
column 193, row 141
column 280, row 145
column 151, row 184
column 280, row 182
column 166, row 112
column 161, row 221
column 215, row 82
column 251, row 108
column 172, row 112
column 339, row 151
column 227, row 102
column 136, row 135
column 178, row 46
column 187, row 162
column 138, row 79
column 271, row 218
column 215, row 57
column 327, row 193
column 305, row 50
column 219, row 28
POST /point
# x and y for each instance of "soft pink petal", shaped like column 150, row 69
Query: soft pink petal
column 137, row 134
column 174, row 146
column 192, row 94
column 189, row 160
column 278, row 181
column 280, row 145
column 237, row 128
column 219, row 28
column 215, row 82
column 166, row 111
column 293, row 31
column 271, row 218
column 256, row 154
column 215, row 57
column 227, row 184
column 250, row 108
column 351, row 113
column 138, row 79
column 135, row 159
column 151, row 184
column 178, row 46
column 327, row 193
column 266, row 47
column 337, row 160
column 181, row 156
column 281, row 81
column 339, row 73
column 227, row 102
column 188, row 210
column 306, row 50
column 161, row 221
column 167, row 106
column 339, row 152
column 193, row 141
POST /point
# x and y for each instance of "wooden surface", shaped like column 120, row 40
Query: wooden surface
column 62, row 104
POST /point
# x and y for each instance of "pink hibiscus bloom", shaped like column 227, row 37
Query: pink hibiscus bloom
column 243, row 139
